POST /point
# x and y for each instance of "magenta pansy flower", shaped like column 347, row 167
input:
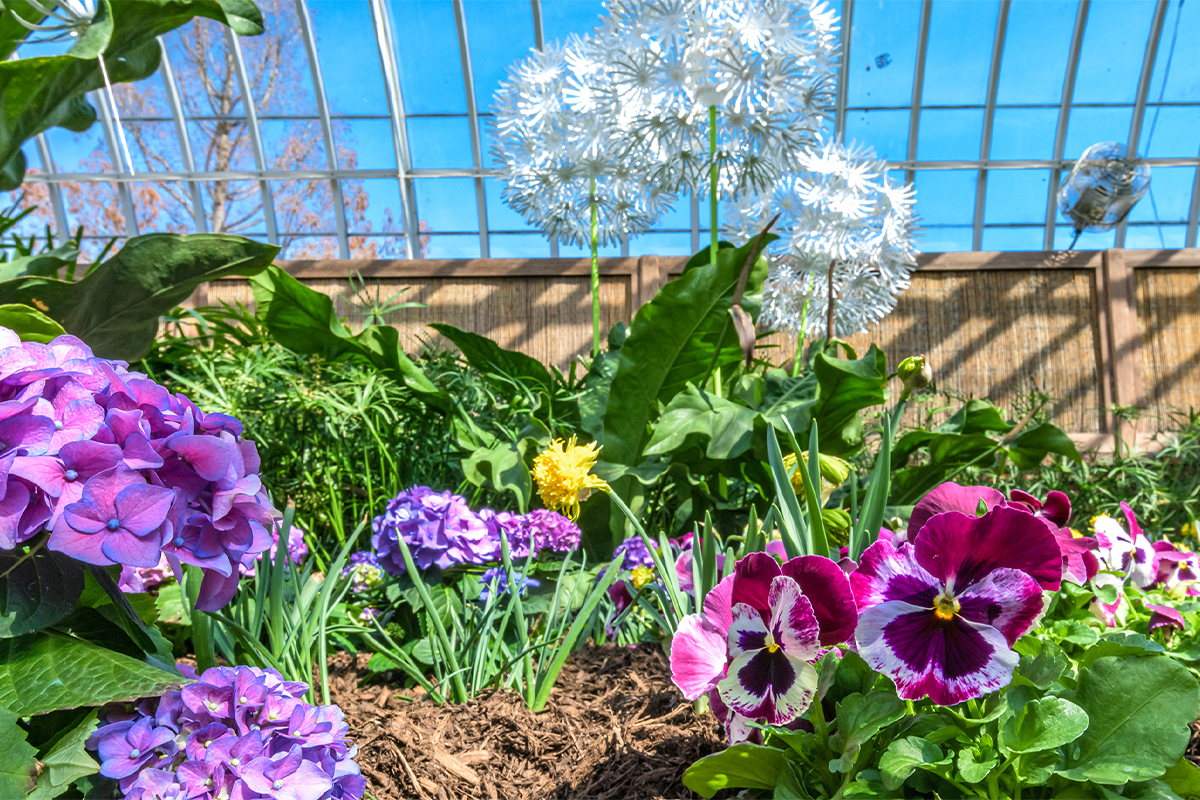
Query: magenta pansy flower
column 1165, row 617
column 950, row 496
column 939, row 616
column 1056, row 507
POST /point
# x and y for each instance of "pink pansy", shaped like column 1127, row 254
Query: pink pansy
column 939, row 617
column 1165, row 617
column 1111, row 614
column 950, row 496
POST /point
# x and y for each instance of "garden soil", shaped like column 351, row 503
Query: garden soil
column 615, row 727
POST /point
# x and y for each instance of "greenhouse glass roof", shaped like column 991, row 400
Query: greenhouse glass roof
column 368, row 133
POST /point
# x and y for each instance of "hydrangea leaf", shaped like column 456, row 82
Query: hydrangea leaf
column 46, row 671
column 17, row 765
column 743, row 766
column 1044, row 724
column 67, row 761
column 36, row 591
column 1139, row 709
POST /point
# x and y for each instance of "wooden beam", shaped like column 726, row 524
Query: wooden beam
column 1124, row 341
column 956, row 262
column 1104, row 361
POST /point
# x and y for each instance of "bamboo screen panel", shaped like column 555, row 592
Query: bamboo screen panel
column 1169, row 332
column 549, row 318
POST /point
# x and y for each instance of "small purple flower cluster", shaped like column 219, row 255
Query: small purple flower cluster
column 122, row 471
column 635, row 553
column 297, row 550
column 523, row 582
column 440, row 529
column 363, row 570
column 240, row 732
column 135, row 580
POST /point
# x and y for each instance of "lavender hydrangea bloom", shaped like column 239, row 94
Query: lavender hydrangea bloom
column 553, row 531
column 439, row 529
column 363, row 570
column 515, row 528
column 121, row 470
column 297, row 550
column 238, row 732
column 636, row 553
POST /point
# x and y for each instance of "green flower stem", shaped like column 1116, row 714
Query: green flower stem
column 595, row 274
column 714, row 173
column 799, row 359
column 522, row 626
column 439, row 630
column 665, row 572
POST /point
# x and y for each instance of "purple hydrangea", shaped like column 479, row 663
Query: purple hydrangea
column 553, row 531
column 363, row 570
column 636, row 553
column 122, row 471
column 135, row 580
column 238, row 732
column 515, row 528
column 296, row 546
column 498, row 574
column 439, row 529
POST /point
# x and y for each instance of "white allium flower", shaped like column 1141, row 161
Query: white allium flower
column 768, row 66
column 842, row 211
column 555, row 127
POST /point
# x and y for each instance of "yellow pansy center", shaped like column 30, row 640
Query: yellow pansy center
column 945, row 605
column 770, row 643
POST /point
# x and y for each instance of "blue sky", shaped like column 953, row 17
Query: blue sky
column 882, row 58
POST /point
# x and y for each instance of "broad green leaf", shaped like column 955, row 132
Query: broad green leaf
column 902, row 758
column 40, row 92
column 976, row 416
column 44, row 265
column 1033, row 444
column 36, row 590
column 1046, row 667
column 17, row 764
column 671, row 343
column 503, row 468
column 46, row 671
column 1139, row 709
column 1183, row 778
column 303, row 320
column 67, row 761
column 974, row 765
column 725, row 429
column 845, row 389
column 1044, row 724
column 29, row 323
column 1121, row 643
column 859, row 718
column 1036, row 768
column 743, row 766
column 491, row 359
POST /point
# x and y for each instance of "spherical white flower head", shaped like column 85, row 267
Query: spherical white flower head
column 555, row 125
column 841, row 212
column 768, row 66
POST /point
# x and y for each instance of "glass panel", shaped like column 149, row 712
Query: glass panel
column 949, row 134
column 501, row 216
column 1036, row 46
column 146, row 98
column 443, row 246
column 1024, row 133
column 573, row 251
column 35, row 195
column 349, row 56
column 1016, row 195
column 1154, row 237
column 153, row 146
column 375, row 246
column 303, row 206
column 520, row 245
column 163, row 207
column 885, row 131
column 563, row 17
column 678, row 217
column 427, row 51
column 73, row 152
column 883, row 53
column 447, row 205
column 1002, row 239
column 946, row 196
column 219, row 147
column 1183, row 82
column 499, row 33
column 440, row 142
column 661, row 244
column 97, row 206
column 373, row 206
column 1114, row 44
column 1091, row 125
column 947, row 239
column 303, row 248
column 234, row 207
column 1170, row 132
column 1063, row 234
column 960, row 45
column 1169, row 197
column 293, row 144
column 364, row 143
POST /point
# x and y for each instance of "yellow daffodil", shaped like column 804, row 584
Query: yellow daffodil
column 640, row 576
column 563, row 471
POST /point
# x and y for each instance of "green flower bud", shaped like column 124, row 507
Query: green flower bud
column 837, row 525
column 834, row 472
column 915, row 374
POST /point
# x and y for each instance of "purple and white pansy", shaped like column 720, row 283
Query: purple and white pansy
column 939, row 615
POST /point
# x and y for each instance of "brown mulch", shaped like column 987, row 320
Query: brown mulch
column 1193, row 749
column 615, row 727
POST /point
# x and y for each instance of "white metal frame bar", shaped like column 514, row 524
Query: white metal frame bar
column 989, row 115
column 260, row 158
column 914, row 119
column 1139, row 107
column 123, row 190
column 539, row 31
column 185, row 143
column 1064, row 117
column 843, row 77
column 391, row 78
column 464, row 50
column 54, row 190
column 314, row 65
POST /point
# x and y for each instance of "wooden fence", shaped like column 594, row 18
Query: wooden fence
column 1091, row 329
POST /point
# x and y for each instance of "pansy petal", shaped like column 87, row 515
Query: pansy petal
column 766, row 685
column 951, row 496
column 1165, row 616
column 1008, row 600
column 698, row 656
column 752, row 579
column 948, row 660
column 964, row 549
column 1057, row 508
column 793, row 624
column 827, row 587
column 747, row 632
column 718, row 605
column 890, row 573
